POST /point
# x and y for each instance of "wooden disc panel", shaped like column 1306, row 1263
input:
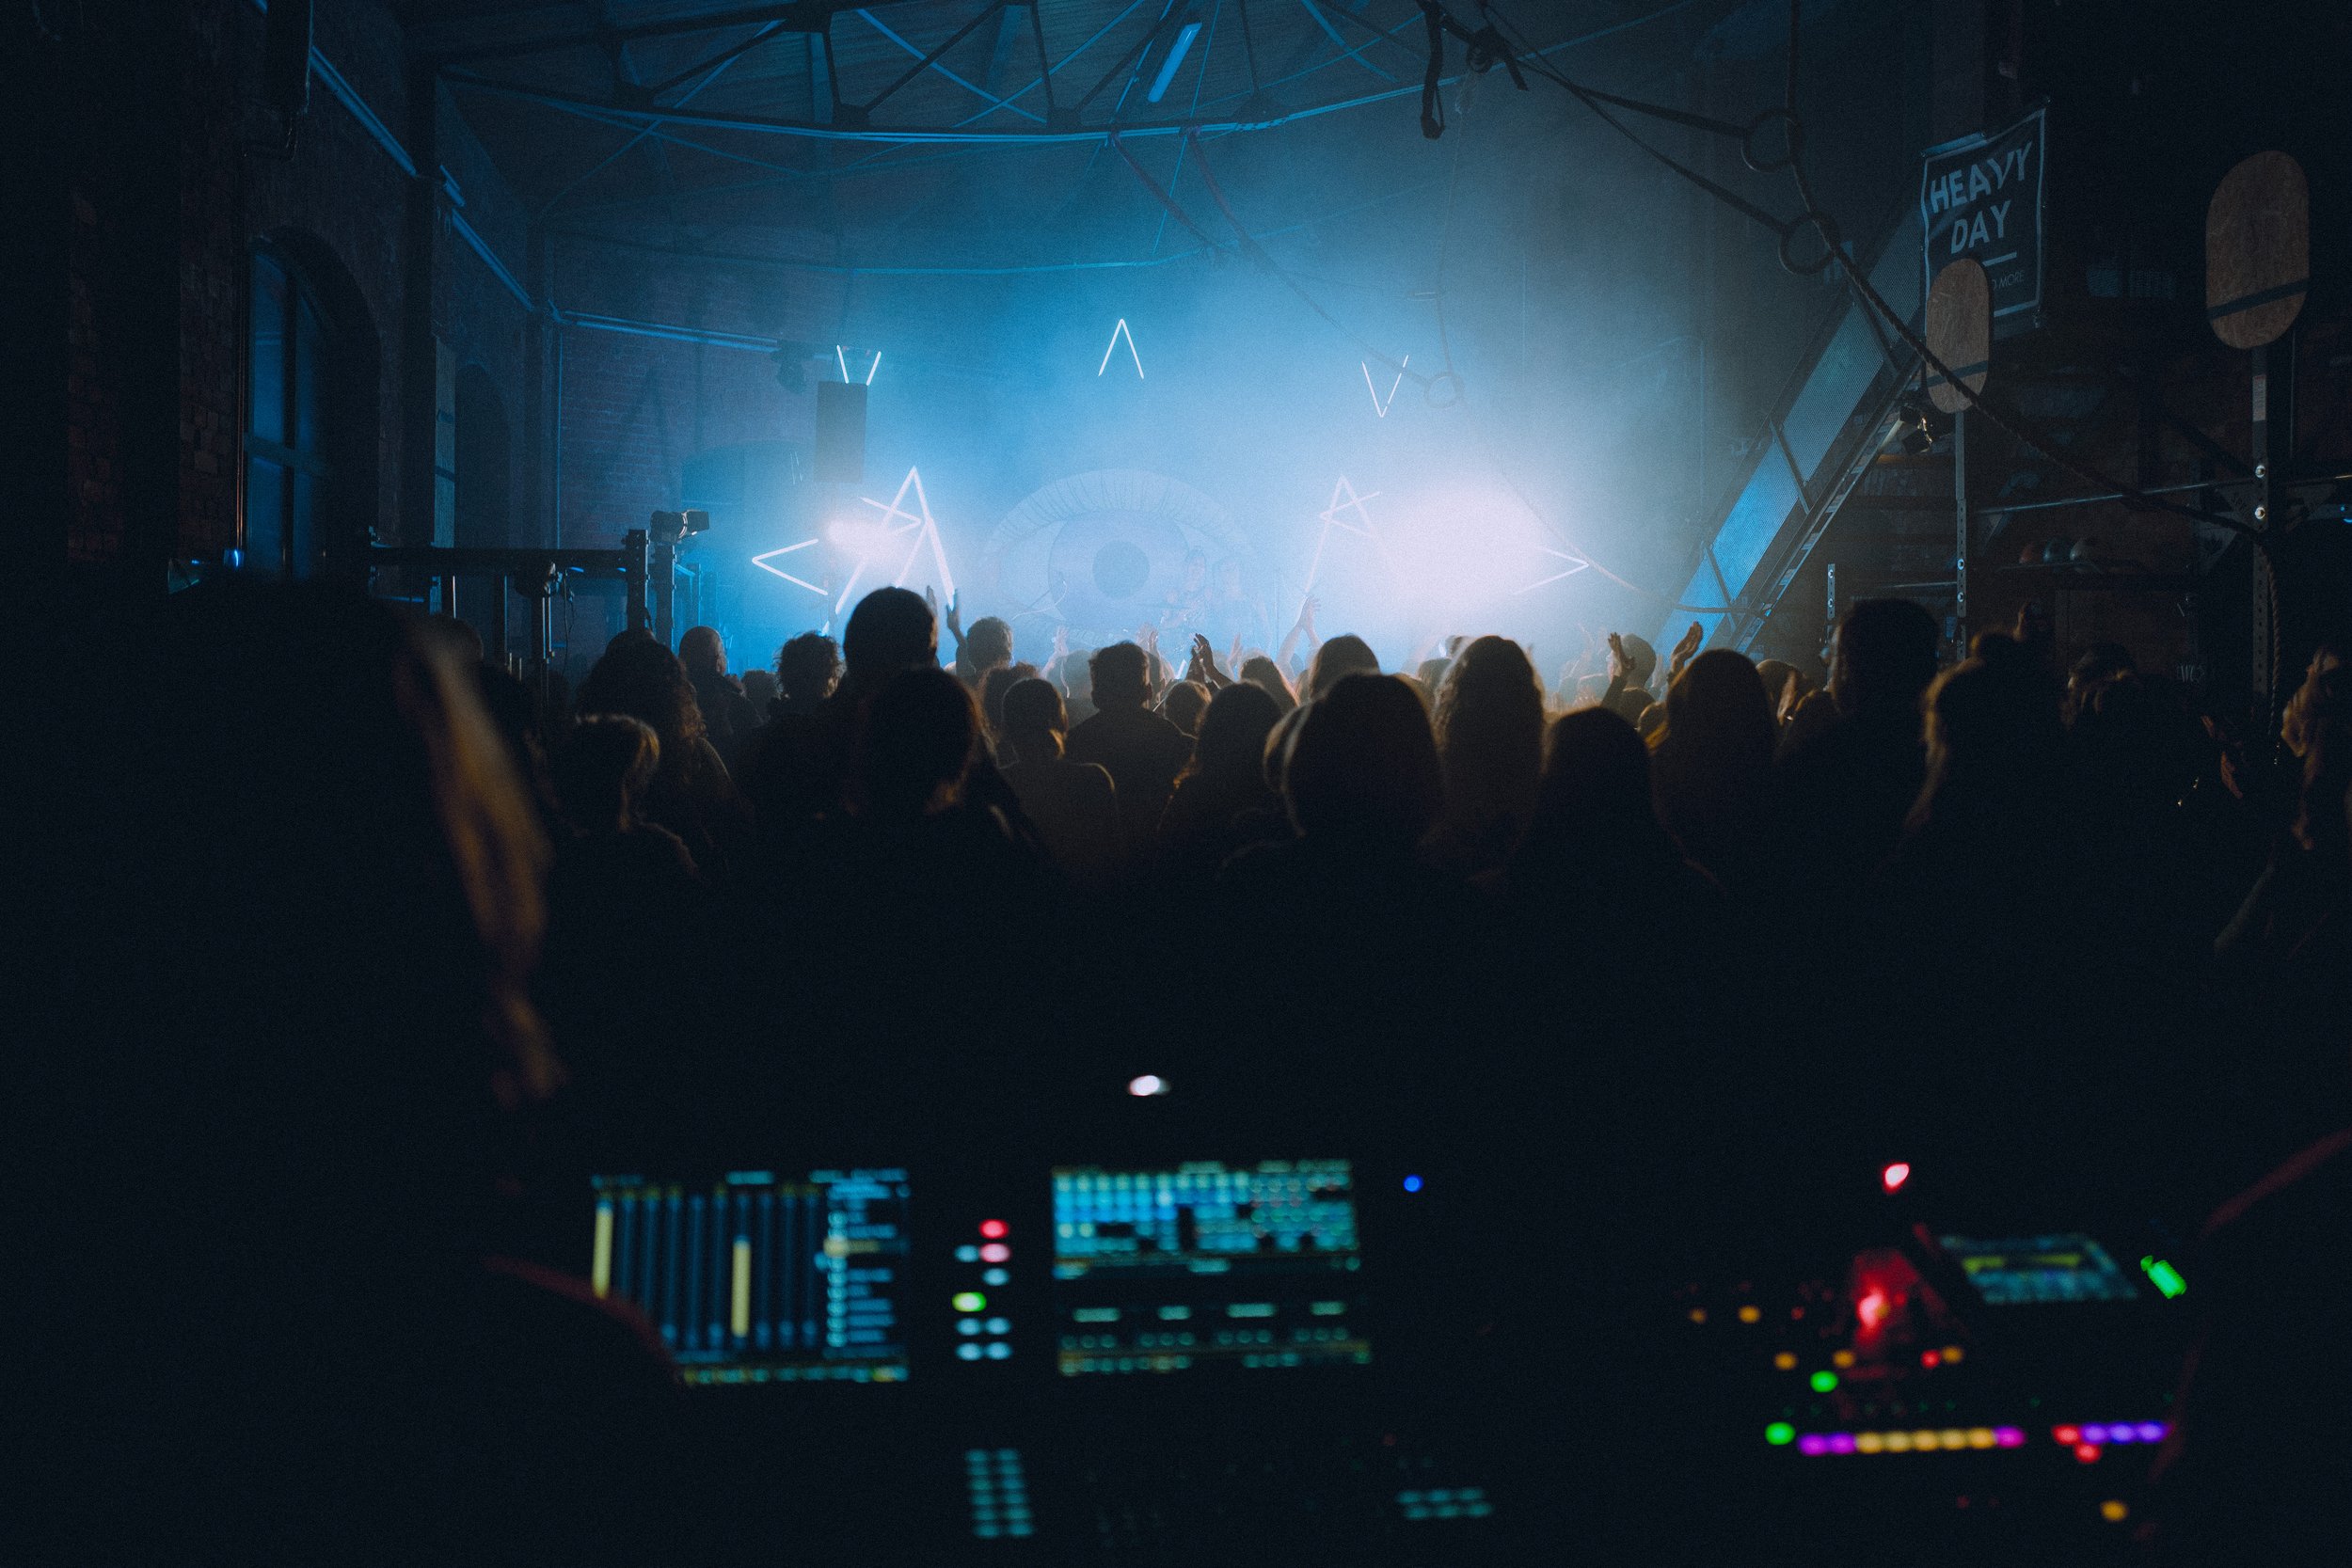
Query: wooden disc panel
column 1959, row 332
column 2258, row 250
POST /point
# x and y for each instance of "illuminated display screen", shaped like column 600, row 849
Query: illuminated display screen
column 1205, row 1264
column 754, row 1277
column 2033, row 1270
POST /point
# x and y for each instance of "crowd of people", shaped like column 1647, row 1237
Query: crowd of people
column 391, row 951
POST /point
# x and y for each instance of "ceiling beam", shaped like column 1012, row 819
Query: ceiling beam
column 448, row 46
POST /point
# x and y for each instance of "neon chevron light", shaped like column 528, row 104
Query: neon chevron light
column 1381, row 405
column 762, row 559
column 1576, row 563
column 1118, row 332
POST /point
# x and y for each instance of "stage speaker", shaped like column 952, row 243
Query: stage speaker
column 840, row 433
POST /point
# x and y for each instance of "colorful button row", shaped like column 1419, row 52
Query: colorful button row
column 1921, row 1441
column 2113, row 1432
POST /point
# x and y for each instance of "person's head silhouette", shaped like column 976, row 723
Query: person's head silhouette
column 1363, row 774
column 1121, row 677
column 890, row 630
column 920, row 738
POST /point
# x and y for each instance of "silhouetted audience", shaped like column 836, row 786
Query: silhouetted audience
column 312, row 1067
column 1073, row 805
column 1140, row 748
column 1183, row 703
column 1222, row 802
column 1853, row 761
column 1714, row 770
column 691, row 793
column 1491, row 737
column 1643, row 978
column 999, row 681
column 1335, row 660
column 729, row 717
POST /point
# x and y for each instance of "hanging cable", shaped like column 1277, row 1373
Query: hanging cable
column 1257, row 253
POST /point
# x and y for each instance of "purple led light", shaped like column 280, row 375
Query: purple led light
column 2151, row 1432
column 2099, row 1434
column 1813, row 1443
column 2009, row 1437
column 1841, row 1442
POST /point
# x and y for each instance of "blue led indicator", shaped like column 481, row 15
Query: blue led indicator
column 1412, row 1183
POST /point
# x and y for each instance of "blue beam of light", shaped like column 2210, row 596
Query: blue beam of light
column 1175, row 58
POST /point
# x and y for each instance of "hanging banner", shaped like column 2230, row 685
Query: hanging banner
column 1980, row 201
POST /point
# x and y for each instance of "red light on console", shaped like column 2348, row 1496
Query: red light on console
column 993, row 1229
column 1931, row 1358
column 2087, row 1452
column 1894, row 1176
column 1871, row 1308
column 2068, row 1436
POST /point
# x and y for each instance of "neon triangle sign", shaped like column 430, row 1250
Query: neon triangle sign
column 1344, row 501
column 917, row 527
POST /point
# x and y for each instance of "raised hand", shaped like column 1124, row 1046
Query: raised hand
column 1620, row 662
column 1202, row 665
column 1685, row 651
column 955, row 616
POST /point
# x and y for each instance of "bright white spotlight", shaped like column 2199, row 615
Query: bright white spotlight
column 860, row 536
column 1175, row 58
column 1147, row 1085
column 1461, row 550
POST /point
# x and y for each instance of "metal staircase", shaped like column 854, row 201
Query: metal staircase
column 1827, row 425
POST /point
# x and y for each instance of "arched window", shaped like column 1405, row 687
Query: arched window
column 309, row 401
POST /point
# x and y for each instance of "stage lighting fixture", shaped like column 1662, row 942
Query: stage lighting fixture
column 792, row 360
column 1919, row 426
column 1175, row 58
column 676, row 528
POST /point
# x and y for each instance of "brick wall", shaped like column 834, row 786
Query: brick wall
column 94, row 530
column 338, row 203
column 479, row 319
column 634, row 408
column 211, row 282
column 341, row 199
